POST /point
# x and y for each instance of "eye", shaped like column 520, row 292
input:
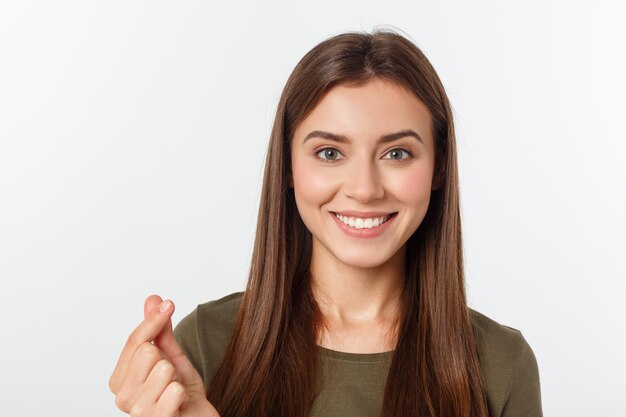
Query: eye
column 328, row 153
column 398, row 151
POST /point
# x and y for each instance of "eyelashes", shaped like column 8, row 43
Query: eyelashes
column 316, row 154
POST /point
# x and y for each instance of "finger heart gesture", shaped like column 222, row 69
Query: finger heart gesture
column 153, row 377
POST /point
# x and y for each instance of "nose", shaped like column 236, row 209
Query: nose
column 363, row 183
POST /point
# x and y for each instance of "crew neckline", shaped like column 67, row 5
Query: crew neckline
column 355, row 357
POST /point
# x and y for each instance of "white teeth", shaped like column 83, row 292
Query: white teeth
column 359, row 223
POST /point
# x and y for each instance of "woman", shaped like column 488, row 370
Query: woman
column 355, row 303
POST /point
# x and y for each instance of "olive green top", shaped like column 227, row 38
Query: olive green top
column 355, row 382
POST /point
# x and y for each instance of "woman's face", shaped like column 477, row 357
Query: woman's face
column 360, row 175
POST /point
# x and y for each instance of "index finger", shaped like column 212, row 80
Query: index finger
column 147, row 331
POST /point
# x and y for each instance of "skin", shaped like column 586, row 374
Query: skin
column 153, row 377
column 358, row 281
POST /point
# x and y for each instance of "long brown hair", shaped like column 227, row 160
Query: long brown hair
column 270, row 366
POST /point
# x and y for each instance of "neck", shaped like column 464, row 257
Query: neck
column 360, row 307
column 352, row 295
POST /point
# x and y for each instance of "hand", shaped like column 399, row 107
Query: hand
column 153, row 377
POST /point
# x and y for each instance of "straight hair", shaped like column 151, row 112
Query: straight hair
column 271, row 365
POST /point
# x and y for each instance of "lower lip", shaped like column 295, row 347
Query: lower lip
column 354, row 232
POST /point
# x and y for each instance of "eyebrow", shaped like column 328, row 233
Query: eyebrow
column 344, row 139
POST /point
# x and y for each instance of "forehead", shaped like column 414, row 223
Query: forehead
column 368, row 111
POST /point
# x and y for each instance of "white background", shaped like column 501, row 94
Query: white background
column 132, row 141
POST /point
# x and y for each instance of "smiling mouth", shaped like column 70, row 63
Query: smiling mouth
column 359, row 223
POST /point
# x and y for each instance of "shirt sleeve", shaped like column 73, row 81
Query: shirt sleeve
column 523, row 395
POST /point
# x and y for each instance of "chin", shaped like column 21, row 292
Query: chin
column 363, row 260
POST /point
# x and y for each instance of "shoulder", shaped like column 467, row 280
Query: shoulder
column 214, row 319
column 222, row 307
column 508, row 365
column 220, row 311
column 493, row 337
column 219, row 315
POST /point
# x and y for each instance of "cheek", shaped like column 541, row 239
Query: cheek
column 312, row 184
column 413, row 187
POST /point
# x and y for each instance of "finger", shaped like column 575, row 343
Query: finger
column 151, row 302
column 145, row 332
column 171, row 400
column 166, row 341
column 144, row 360
column 161, row 375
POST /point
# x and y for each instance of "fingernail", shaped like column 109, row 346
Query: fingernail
column 165, row 306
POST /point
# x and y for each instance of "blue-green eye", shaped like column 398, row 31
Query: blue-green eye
column 328, row 153
column 398, row 151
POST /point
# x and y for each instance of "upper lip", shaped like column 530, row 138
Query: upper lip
column 363, row 214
